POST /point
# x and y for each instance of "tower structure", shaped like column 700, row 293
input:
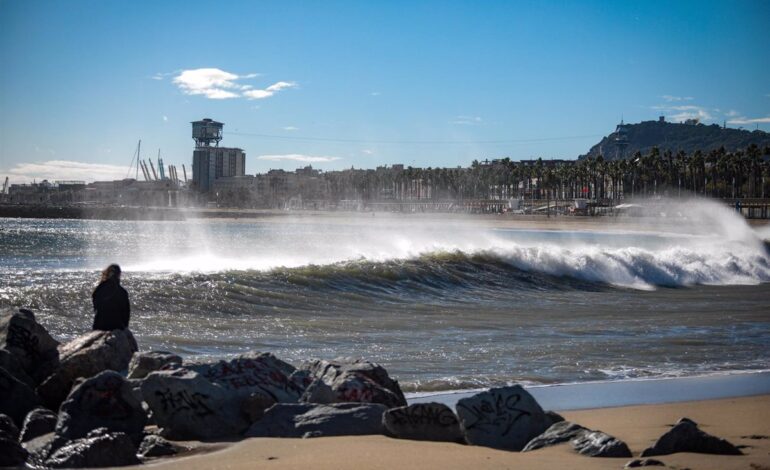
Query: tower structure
column 621, row 140
column 210, row 161
column 207, row 132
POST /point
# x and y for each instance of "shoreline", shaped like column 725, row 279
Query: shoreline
column 743, row 421
column 172, row 214
column 628, row 392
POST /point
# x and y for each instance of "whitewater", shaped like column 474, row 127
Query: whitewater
column 446, row 302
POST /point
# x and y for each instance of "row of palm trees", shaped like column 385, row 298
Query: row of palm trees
column 717, row 173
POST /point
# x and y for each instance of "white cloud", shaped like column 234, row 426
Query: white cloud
column 61, row 170
column 745, row 120
column 212, row 83
column 165, row 118
column 217, row 84
column 269, row 91
column 290, row 128
column 467, row 120
column 295, row 157
column 375, row 93
column 671, row 98
column 367, row 151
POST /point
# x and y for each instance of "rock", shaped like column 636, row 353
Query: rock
column 599, row 444
column 355, row 381
column 685, row 436
column 38, row 422
column 156, row 446
column 636, row 463
column 103, row 401
column 554, row 417
column 562, row 431
column 40, row 448
column 85, row 357
column 12, row 454
column 424, row 422
column 503, row 418
column 22, row 336
column 338, row 419
column 318, row 392
column 188, row 406
column 254, row 406
column 8, row 428
column 100, row 450
column 16, row 398
column 250, row 373
column 142, row 363
column 11, row 364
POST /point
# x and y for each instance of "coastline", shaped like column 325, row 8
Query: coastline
column 629, row 392
column 743, row 421
column 509, row 220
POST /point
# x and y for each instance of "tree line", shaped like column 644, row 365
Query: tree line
column 716, row 173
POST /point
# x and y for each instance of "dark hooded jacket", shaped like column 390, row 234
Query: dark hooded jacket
column 111, row 307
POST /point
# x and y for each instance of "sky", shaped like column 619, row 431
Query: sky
column 340, row 84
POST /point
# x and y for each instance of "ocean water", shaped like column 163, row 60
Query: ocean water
column 445, row 303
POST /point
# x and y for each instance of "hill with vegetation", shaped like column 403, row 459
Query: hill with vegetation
column 642, row 137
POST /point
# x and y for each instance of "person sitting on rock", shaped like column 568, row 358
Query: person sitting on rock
column 111, row 307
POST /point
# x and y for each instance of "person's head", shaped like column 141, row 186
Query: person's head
column 111, row 273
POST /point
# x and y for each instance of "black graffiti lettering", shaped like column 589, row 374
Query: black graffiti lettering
column 501, row 411
column 424, row 416
column 175, row 402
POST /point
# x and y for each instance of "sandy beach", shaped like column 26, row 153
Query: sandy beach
column 742, row 421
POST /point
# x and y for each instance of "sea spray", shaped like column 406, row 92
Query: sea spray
column 463, row 302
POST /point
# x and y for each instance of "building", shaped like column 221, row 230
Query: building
column 210, row 161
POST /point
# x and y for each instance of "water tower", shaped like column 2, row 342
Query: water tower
column 207, row 132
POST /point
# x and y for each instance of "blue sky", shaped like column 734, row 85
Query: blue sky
column 363, row 83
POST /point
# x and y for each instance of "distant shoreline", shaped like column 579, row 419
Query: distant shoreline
column 505, row 220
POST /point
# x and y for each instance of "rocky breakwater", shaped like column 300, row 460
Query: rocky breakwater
column 97, row 401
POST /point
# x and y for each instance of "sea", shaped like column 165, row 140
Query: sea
column 444, row 302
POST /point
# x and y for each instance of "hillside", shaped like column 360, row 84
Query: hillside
column 675, row 137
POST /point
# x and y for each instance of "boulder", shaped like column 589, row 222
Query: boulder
column 313, row 420
column 86, row 356
column 38, row 422
column 559, row 432
column 424, row 422
column 254, row 406
column 503, row 418
column 599, row 444
column 554, row 417
column 11, row 364
column 103, row 401
column 39, row 448
column 142, row 363
column 355, row 381
column 636, row 463
column 8, row 428
column 155, row 446
column 100, row 449
column 188, row 406
column 29, row 342
column 685, row 436
column 253, row 372
column 12, row 454
column 16, row 398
